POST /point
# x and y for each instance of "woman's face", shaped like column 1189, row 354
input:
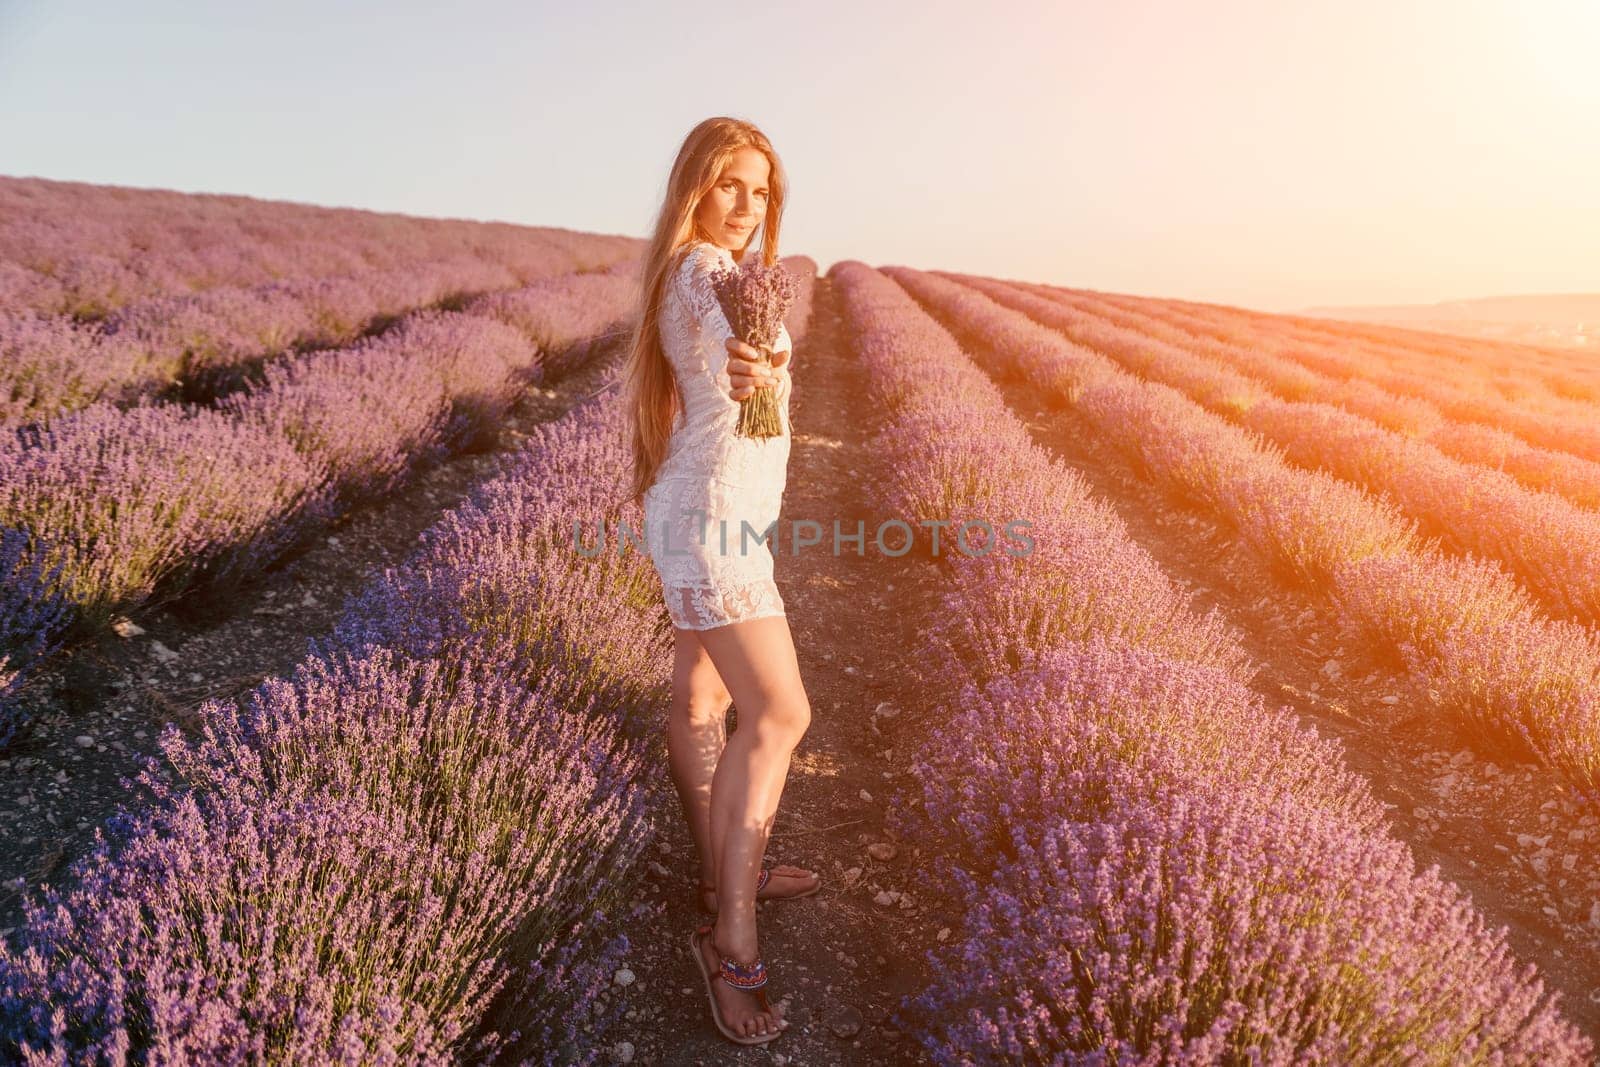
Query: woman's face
column 737, row 203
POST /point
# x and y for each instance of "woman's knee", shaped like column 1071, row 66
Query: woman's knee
column 702, row 708
column 784, row 722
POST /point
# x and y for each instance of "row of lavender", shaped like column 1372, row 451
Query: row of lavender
column 1422, row 391
column 1412, row 405
column 1472, row 641
column 200, row 345
column 71, row 248
column 1550, row 544
column 1152, row 864
column 417, row 848
column 1515, row 367
column 1512, row 370
column 1549, row 379
column 107, row 508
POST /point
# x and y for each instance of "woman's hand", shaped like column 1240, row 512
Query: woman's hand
column 746, row 372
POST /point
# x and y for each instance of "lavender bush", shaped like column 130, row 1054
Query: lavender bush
column 32, row 618
column 378, row 847
column 152, row 500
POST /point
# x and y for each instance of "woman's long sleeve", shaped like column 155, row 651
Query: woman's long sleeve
column 694, row 279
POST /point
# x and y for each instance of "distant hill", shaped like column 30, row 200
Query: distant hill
column 1566, row 319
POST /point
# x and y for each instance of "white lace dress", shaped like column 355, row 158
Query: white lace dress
column 716, row 494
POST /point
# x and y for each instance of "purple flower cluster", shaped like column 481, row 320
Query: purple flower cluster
column 33, row 615
column 1445, row 622
column 417, row 847
column 755, row 298
column 1154, row 867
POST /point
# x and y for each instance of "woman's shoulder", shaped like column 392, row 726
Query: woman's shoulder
column 703, row 254
column 696, row 262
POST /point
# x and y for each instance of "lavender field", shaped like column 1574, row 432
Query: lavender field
column 320, row 743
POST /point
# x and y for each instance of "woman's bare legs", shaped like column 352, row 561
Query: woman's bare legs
column 696, row 727
column 696, row 733
column 756, row 662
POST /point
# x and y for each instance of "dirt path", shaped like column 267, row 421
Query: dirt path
column 844, row 960
column 1509, row 835
column 103, row 705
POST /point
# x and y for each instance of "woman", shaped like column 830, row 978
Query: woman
column 700, row 483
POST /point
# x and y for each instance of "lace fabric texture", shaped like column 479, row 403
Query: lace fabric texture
column 717, row 494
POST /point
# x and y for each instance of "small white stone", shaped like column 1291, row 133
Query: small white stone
column 623, row 1051
column 624, row 977
column 83, row 741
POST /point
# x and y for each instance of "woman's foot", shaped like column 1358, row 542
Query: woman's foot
column 783, row 882
column 744, row 1015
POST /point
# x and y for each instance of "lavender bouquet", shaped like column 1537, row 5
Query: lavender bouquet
column 755, row 298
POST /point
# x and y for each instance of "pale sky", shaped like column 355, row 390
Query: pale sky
column 1270, row 153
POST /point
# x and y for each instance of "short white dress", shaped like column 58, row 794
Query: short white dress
column 717, row 495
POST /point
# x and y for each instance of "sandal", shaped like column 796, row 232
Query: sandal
column 750, row 977
column 761, row 883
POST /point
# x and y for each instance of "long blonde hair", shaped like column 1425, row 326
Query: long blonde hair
column 653, row 396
